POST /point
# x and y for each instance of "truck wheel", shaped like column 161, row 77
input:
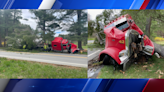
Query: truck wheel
column 106, row 60
column 69, row 49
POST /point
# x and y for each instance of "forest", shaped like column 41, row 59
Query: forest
column 15, row 34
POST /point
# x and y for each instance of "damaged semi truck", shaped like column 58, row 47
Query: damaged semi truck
column 124, row 42
column 60, row 45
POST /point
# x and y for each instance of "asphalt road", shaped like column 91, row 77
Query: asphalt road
column 53, row 58
column 92, row 53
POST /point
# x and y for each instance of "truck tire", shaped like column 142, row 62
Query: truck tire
column 106, row 60
column 69, row 49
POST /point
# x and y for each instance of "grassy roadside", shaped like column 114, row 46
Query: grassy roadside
column 160, row 42
column 10, row 68
column 21, row 50
column 83, row 46
column 91, row 46
column 91, row 38
column 34, row 51
column 154, row 69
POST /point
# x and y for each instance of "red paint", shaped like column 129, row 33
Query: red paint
column 144, row 5
column 147, row 41
column 113, row 52
column 114, row 35
column 56, row 44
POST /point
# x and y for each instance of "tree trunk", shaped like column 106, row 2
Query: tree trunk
column 148, row 25
column 6, row 34
column 0, row 41
column 44, row 30
column 79, row 30
column 14, row 19
column 159, row 49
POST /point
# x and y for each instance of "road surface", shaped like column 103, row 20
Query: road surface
column 53, row 58
column 92, row 53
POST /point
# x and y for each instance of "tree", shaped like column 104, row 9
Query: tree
column 47, row 22
column 149, row 21
column 23, row 36
column 76, row 25
column 9, row 21
column 94, row 27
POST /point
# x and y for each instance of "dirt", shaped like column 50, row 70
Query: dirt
column 94, row 67
column 94, row 63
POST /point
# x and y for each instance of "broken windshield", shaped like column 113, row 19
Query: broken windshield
column 122, row 25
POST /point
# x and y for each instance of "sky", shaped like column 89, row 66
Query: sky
column 94, row 12
column 26, row 14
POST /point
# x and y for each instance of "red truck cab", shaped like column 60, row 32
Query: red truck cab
column 118, row 42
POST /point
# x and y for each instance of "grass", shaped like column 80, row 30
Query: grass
column 91, row 38
column 24, row 69
column 160, row 42
column 21, row 50
column 154, row 69
column 83, row 46
column 91, row 46
column 35, row 50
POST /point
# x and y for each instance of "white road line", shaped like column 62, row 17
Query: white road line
column 93, row 53
column 46, row 61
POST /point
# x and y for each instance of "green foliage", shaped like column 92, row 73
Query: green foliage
column 77, row 28
column 94, row 26
column 47, row 22
column 22, row 37
column 140, row 17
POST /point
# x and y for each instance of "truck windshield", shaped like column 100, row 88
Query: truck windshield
column 122, row 25
column 111, row 25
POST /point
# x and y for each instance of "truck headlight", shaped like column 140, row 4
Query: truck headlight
column 122, row 53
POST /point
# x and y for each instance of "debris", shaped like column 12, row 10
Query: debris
column 157, row 55
column 151, row 65
column 146, row 69
column 145, row 62
column 149, row 70
column 159, row 71
column 145, row 66
column 159, row 76
column 122, row 71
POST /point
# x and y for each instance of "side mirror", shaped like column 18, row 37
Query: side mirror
column 130, row 21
